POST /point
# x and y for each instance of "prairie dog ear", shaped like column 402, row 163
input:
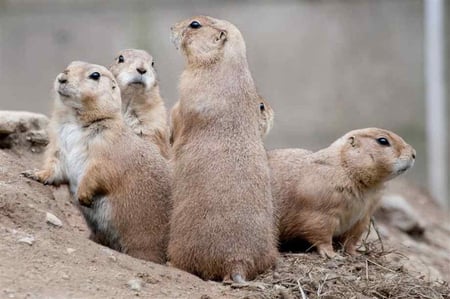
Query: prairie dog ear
column 221, row 36
column 352, row 141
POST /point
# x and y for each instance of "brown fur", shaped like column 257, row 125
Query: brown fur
column 222, row 226
column 329, row 193
column 122, row 182
column 142, row 106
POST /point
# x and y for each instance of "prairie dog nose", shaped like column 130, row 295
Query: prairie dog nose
column 141, row 70
column 62, row 78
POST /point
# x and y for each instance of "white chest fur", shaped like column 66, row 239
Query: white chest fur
column 74, row 152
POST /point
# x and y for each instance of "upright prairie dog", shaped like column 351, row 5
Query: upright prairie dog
column 222, row 223
column 330, row 193
column 142, row 106
column 122, row 182
column 265, row 121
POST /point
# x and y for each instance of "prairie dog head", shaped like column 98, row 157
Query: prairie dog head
column 205, row 40
column 266, row 118
column 375, row 155
column 88, row 89
column 134, row 69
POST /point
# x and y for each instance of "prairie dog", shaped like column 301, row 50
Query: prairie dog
column 122, row 182
column 265, row 121
column 329, row 193
column 222, row 224
column 142, row 106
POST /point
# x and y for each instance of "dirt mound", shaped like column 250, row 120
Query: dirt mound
column 44, row 258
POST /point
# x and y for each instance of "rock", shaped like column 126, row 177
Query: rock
column 135, row 284
column 37, row 137
column 110, row 254
column 70, row 250
column 396, row 211
column 22, row 129
column 53, row 220
column 21, row 121
column 27, row 240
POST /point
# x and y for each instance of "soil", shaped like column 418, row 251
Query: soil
column 42, row 260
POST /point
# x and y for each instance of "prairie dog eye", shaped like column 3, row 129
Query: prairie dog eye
column 262, row 107
column 121, row 59
column 195, row 25
column 95, row 76
column 383, row 141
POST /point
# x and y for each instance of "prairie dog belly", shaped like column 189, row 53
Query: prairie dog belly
column 73, row 153
column 98, row 218
column 355, row 211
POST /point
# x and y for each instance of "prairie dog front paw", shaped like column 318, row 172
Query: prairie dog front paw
column 42, row 176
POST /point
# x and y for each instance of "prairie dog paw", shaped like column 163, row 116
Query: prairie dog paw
column 326, row 251
column 84, row 198
column 351, row 250
column 42, row 176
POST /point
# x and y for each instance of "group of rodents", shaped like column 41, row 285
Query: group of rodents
column 202, row 192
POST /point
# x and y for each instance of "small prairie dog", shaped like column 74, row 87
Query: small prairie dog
column 222, row 224
column 330, row 193
column 142, row 106
column 121, row 181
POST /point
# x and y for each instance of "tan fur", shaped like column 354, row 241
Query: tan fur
column 265, row 122
column 122, row 182
column 222, row 225
column 175, row 122
column 330, row 193
column 142, row 106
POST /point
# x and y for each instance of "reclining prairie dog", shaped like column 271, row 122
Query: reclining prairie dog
column 330, row 193
column 142, row 106
column 222, row 224
column 121, row 181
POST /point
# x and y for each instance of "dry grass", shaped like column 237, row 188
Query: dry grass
column 371, row 275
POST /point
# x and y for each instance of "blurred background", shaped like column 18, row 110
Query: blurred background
column 325, row 66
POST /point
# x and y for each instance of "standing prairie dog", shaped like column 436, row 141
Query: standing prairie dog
column 121, row 181
column 222, row 224
column 265, row 121
column 142, row 106
column 330, row 193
